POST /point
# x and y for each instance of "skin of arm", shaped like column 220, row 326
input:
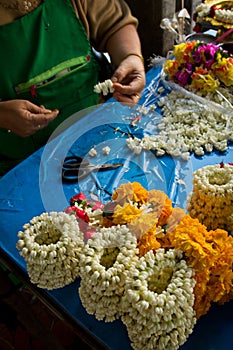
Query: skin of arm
column 129, row 76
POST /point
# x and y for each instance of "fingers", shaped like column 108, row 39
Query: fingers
column 128, row 84
column 131, row 99
column 36, row 122
column 41, row 120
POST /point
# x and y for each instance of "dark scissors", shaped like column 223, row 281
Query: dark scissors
column 75, row 168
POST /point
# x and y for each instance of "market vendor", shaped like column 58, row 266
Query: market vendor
column 48, row 70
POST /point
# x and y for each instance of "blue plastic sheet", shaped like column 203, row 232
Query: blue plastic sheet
column 36, row 185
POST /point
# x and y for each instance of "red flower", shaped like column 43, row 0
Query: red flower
column 212, row 10
column 222, row 164
column 88, row 233
column 70, row 210
column 78, row 198
column 81, row 214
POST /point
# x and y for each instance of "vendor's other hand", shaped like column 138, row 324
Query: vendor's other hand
column 129, row 80
column 24, row 118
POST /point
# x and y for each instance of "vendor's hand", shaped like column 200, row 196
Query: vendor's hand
column 129, row 80
column 24, row 118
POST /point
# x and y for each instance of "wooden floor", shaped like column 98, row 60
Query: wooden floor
column 27, row 324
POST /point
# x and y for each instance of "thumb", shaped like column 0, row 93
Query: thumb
column 119, row 75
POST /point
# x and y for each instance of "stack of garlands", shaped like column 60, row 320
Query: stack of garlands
column 149, row 264
column 219, row 14
column 200, row 67
column 163, row 267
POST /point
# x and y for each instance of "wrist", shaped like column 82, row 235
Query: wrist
column 134, row 54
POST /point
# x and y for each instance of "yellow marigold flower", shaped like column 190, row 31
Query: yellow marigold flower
column 224, row 70
column 189, row 236
column 171, row 67
column 132, row 191
column 125, row 214
column 202, row 80
column 143, row 223
column 182, row 52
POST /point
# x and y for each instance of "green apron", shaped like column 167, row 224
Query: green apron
column 47, row 59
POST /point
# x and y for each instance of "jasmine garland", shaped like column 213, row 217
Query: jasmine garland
column 211, row 200
column 51, row 245
column 158, row 301
column 104, row 264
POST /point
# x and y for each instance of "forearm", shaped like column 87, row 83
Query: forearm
column 123, row 42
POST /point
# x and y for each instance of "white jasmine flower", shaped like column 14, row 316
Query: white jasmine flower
column 186, row 126
column 104, row 265
column 92, row 152
column 106, row 150
column 203, row 10
column 105, row 87
column 225, row 16
column 158, row 301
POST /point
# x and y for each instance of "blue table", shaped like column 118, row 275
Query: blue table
column 35, row 186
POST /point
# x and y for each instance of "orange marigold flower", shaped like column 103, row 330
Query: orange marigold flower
column 123, row 194
column 140, row 194
column 189, row 236
column 157, row 198
column 221, row 280
column 202, row 302
column 174, row 219
column 166, row 212
column 148, row 242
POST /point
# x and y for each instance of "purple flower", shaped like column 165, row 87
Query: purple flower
column 197, row 55
column 183, row 76
column 210, row 54
column 205, row 54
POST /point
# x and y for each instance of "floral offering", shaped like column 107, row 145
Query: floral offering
column 51, row 245
column 211, row 200
column 200, row 67
column 220, row 14
column 145, row 262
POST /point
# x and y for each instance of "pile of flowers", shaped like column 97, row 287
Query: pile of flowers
column 200, row 67
column 151, row 265
column 187, row 126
